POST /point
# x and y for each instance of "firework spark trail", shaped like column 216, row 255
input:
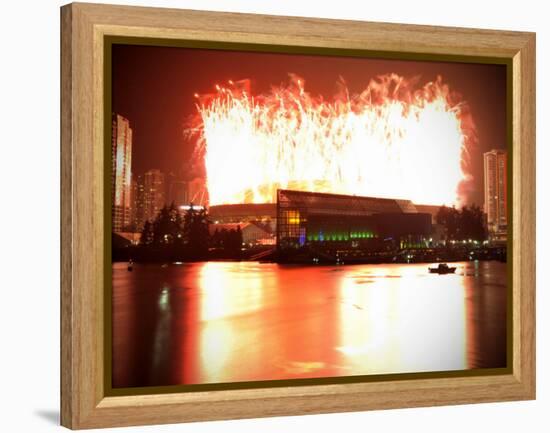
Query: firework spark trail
column 394, row 139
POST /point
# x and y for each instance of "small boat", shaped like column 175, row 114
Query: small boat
column 442, row 268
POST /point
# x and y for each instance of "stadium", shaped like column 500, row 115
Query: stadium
column 333, row 226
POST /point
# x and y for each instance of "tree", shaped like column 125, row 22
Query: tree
column 215, row 240
column 146, row 237
column 449, row 218
column 230, row 241
column 172, row 236
column 195, row 231
column 168, row 227
column 464, row 224
column 472, row 223
column 233, row 241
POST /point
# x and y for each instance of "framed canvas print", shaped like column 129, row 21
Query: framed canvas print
column 268, row 215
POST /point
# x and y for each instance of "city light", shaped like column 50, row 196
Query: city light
column 394, row 139
column 191, row 206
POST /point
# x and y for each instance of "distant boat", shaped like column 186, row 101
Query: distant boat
column 442, row 268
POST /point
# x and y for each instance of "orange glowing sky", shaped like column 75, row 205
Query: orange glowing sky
column 154, row 88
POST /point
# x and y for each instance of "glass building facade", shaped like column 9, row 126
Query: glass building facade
column 340, row 222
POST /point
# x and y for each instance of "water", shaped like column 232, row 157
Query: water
column 218, row 322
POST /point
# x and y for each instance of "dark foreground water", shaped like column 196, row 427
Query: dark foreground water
column 224, row 322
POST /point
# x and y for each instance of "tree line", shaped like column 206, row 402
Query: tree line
column 176, row 236
column 463, row 224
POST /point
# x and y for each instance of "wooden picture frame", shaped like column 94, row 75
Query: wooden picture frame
column 84, row 403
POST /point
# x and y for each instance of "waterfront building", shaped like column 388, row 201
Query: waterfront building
column 334, row 223
column 154, row 193
column 138, row 203
column 121, row 172
column 495, row 188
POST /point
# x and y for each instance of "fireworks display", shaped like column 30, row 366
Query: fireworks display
column 395, row 139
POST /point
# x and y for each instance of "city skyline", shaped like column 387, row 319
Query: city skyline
column 147, row 193
column 137, row 198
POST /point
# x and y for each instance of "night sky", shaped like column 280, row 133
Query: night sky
column 154, row 88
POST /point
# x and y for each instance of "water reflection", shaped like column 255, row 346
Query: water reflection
column 224, row 322
column 404, row 320
column 228, row 289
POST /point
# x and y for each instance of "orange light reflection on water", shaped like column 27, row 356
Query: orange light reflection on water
column 384, row 312
column 227, row 322
column 225, row 292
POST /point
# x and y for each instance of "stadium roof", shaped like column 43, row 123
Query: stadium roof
column 244, row 210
